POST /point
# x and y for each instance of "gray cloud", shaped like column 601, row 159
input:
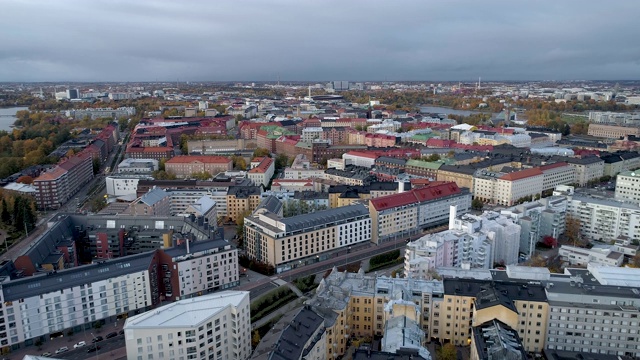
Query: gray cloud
column 220, row 40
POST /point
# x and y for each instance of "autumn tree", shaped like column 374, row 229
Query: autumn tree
column 447, row 352
column 239, row 163
column 549, row 241
column 572, row 231
column 281, row 161
column 25, row 179
column 261, row 152
column 203, row 175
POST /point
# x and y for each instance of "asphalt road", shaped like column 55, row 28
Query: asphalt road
column 106, row 347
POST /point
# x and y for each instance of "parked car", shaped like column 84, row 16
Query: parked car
column 62, row 349
column 80, row 344
column 112, row 334
column 47, row 354
column 93, row 348
column 97, row 339
column 121, row 332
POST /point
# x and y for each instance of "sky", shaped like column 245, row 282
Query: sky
column 318, row 40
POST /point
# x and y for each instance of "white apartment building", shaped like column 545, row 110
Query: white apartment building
column 206, row 269
column 557, row 174
column 311, row 133
column 603, row 218
column 215, row 326
column 123, row 185
column 48, row 304
column 587, row 168
column 138, row 166
column 471, row 242
column 505, row 189
column 359, row 158
column 628, row 186
column 595, row 256
column 301, row 169
column 262, row 170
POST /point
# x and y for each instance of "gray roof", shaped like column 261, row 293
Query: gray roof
column 271, row 204
column 154, row 196
column 297, row 334
column 402, row 354
column 323, row 217
column 391, row 160
column 243, row 192
column 68, row 278
column 496, row 340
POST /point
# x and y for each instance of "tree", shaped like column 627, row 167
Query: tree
column 25, row 179
column 255, row 338
column 635, row 261
column 281, row 161
column 433, row 157
column 96, row 165
column 261, row 152
column 549, row 241
column 572, row 230
column 447, row 352
column 239, row 163
column 6, row 216
column 203, row 175
column 477, row 204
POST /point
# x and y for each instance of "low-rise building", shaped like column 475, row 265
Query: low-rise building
column 209, row 326
column 184, row 166
column 596, row 256
column 612, row 131
column 262, row 170
column 137, row 166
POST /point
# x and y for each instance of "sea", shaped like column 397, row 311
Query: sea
column 8, row 117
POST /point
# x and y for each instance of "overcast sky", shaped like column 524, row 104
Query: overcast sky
column 218, row 40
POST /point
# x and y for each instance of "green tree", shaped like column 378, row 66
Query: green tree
column 447, row 352
column 203, row 175
column 96, row 165
column 6, row 216
column 239, row 163
column 477, row 204
column 18, row 213
column 281, row 161
column 433, row 157
column 261, row 152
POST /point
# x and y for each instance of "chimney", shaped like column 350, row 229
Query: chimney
column 400, row 186
column 453, row 212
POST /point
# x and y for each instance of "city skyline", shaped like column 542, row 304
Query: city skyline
column 289, row 41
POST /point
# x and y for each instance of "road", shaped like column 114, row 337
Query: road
column 322, row 266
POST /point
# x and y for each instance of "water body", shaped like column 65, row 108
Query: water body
column 8, row 117
column 446, row 111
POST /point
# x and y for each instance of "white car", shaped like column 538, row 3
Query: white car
column 62, row 349
column 80, row 344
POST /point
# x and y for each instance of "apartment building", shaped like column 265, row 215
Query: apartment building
column 242, row 200
column 351, row 175
column 603, row 218
column 124, row 185
column 628, row 186
column 612, row 131
column 359, row 158
column 423, row 168
column 215, row 326
column 521, row 305
column 496, row 340
column 154, row 203
column 184, row 166
column 507, row 188
column 595, row 256
column 560, row 173
column 137, row 166
column 282, row 242
column 301, row 169
column 56, row 186
column 262, row 170
column 470, row 242
column 304, row 337
column 595, row 310
column 409, row 212
column 588, row 168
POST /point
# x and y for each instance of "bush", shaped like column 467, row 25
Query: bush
column 270, row 302
column 257, row 266
column 306, row 284
column 384, row 258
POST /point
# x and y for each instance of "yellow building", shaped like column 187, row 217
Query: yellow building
column 468, row 303
column 242, row 200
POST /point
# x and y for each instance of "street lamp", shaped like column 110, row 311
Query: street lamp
column 346, row 265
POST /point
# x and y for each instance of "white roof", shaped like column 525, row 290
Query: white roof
column 462, row 127
column 615, row 276
column 19, row 187
column 188, row 312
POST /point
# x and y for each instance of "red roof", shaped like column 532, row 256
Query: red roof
column 363, row 154
column 264, row 165
column 553, row 166
column 422, row 194
column 185, row 159
column 522, row 174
